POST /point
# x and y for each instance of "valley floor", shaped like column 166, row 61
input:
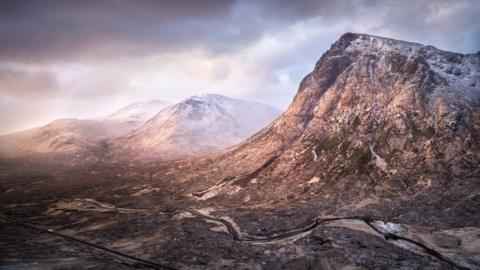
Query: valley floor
column 125, row 220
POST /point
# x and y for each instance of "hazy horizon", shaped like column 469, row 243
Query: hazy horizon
column 93, row 117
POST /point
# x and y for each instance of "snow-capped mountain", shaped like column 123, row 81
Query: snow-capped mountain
column 131, row 117
column 65, row 136
column 78, row 137
column 153, row 129
column 195, row 126
column 379, row 126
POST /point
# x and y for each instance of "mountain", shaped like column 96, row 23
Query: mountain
column 79, row 138
column 153, row 129
column 131, row 117
column 381, row 129
column 197, row 125
column 380, row 126
column 63, row 136
column 375, row 165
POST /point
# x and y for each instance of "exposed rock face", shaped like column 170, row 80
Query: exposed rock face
column 377, row 119
column 198, row 125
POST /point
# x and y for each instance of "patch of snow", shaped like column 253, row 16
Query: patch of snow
column 369, row 44
column 199, row 125
column 405, row 245
column 131, row 117
column 460, row 71
column 140, row 111
column 314, row 152
column 379, row 161
column 388, row 227
column 314, row 179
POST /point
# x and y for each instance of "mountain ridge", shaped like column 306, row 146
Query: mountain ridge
column 370, row 126
column 375, row 165
column 202, row 124
column 78, row 141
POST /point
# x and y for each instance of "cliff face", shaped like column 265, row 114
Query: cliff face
column 377, row 119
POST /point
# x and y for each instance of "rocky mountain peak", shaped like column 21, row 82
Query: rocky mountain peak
column 377, row 118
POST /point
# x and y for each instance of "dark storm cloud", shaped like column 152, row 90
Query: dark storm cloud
column 63, row 30
column 27, row 84
column 42, row 30
column 33, row 31
column 67, row 53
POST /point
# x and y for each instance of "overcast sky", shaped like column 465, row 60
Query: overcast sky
column 86, row 58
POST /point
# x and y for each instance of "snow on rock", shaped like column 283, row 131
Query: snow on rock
column 131, row 117
column 314, row 153
column 406, row 245
column 369, row 44
column 73, row 136
column 139, row 110
column 388, row 227
column 196, row 126
column 379, row 161
column 459, row 71
column 314, row 179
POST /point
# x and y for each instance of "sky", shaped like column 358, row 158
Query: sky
column 85, row 58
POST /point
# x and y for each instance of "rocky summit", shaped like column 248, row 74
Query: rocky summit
column 375, row 165
column 380, row 124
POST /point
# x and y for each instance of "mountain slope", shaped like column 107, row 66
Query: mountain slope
column 131, row 117
column 75, row 137
column 195, row 126
column 375, row 165
column 379, row 125
column 65, row 136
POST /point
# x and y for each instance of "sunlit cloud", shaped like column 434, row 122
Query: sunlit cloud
column 89, row 58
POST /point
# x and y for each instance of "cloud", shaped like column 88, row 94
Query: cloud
column 24, row 84
column 449, row 25
column 86, row 58
column 48, row 31
column 55, row 30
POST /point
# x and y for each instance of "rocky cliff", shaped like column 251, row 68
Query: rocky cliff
column 379, row 123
